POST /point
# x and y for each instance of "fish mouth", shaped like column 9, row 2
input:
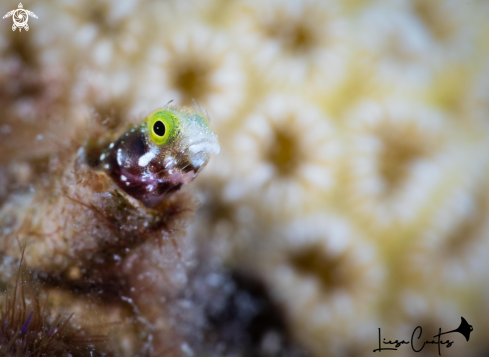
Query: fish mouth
column 200, row 152
column 209, row 146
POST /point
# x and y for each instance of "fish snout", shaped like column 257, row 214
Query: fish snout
column 199, row 152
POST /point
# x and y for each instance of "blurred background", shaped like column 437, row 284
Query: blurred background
column 353, row 174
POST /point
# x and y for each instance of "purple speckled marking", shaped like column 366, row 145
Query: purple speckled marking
column 25, row 326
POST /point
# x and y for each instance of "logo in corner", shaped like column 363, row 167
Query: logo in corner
column 20, row 17
column 464, row 329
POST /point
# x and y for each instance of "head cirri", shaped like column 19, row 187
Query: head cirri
column 160, row 155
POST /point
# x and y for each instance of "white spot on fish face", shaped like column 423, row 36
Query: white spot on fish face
column 107, row 166
column 127, row 183
column 119, row 156
column 150, row 188
column 111, row 145
column 169, row 162
column 146, row 158
column 102, row 157
column 123, row 178
column 199, row 160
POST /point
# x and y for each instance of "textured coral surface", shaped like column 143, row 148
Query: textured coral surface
column 351, row 192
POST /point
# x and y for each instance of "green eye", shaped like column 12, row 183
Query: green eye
column 162, row 126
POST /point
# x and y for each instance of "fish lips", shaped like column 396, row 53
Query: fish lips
column 199, row 152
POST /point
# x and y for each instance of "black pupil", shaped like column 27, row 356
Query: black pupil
column 159, row 128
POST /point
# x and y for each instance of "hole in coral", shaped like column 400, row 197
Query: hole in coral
column 400, row 148
column 296, row 37
column 98, row 14
column 192, row 81
column 329, row 270
column 435, row 19
column 284, row 152
column 301, row 38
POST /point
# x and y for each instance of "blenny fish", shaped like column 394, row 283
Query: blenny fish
column 166, row 151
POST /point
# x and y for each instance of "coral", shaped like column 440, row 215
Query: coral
column 327, row 277
column 194, row 65
column 298, row 44
column 105, row 31
column 287, row 156
column 392, row 148
column 35, row 97
column 458, row 236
